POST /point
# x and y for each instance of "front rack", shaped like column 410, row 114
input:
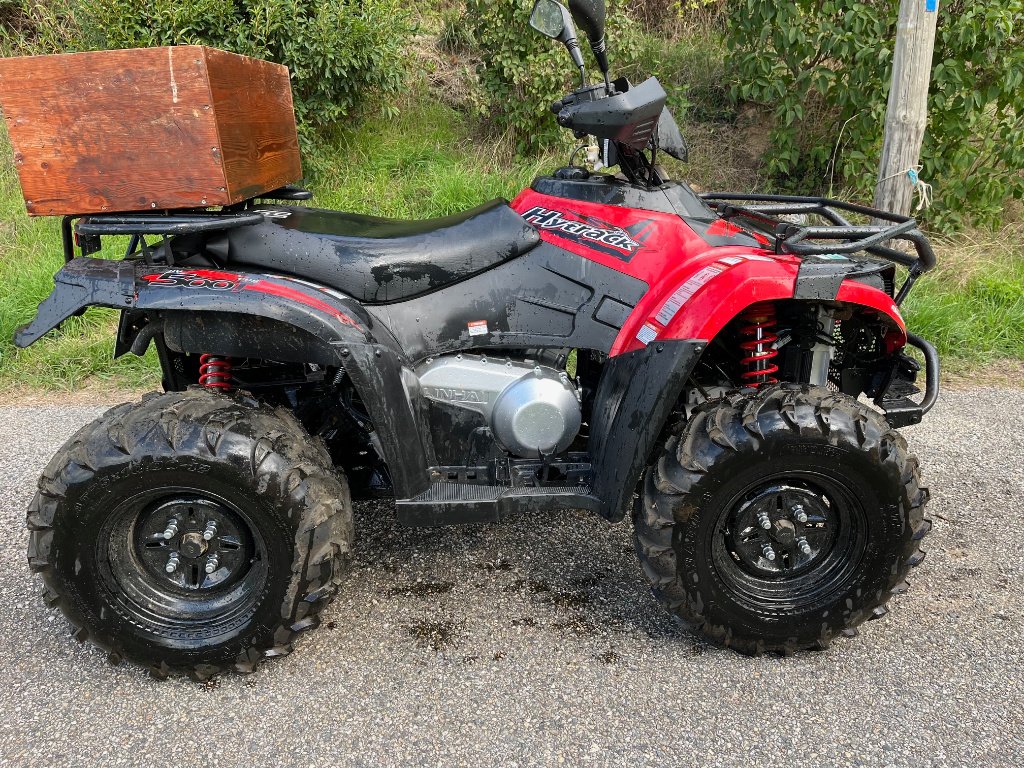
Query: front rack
column 763, row 211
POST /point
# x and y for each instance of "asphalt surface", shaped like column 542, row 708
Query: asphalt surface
column 536, row 642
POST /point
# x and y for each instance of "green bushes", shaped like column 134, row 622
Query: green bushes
column 521, row 72
column 824, row 69
column 340, row 52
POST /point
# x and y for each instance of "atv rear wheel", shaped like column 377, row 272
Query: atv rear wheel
column 191, row 533
column 779, row 520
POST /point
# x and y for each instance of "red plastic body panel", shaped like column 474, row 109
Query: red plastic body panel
column 697, row 284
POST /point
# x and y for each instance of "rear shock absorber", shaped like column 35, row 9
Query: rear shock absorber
column 757, row 329
column 215, row 372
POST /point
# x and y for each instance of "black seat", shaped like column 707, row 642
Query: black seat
column 378, row 260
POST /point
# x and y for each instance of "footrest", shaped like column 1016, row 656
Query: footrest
column 902, row 411
column 446, row 503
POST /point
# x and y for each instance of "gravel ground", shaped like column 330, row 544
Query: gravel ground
column 536, row 642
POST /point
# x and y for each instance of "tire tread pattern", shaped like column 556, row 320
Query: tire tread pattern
column 200, row 422
column 741, row 422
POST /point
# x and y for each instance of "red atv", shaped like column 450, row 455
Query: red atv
column 719, row 366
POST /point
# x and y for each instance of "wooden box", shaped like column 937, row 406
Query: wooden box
column 149, row 128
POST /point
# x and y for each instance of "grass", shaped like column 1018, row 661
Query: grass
column 30, row 254
column 429, row 162
column 426, row 162
column 972, row 305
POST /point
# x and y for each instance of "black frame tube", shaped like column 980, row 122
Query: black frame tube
column 790, row 238
column 171, row 224
column 931, row 367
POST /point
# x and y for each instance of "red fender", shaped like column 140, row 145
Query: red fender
column 720, row 289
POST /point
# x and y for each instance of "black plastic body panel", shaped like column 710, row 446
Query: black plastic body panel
column 819, row 279
column 452, row 503
column 673, row 197
column 80, row 283
column 634, row 400
column 629, row 116
column 545, row 298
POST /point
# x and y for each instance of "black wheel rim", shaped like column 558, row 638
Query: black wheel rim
column 789, row 540
column 183, row 564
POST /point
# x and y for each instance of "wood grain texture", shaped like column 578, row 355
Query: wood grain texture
column 256, row 123
column 139, row 129
column 906, row 116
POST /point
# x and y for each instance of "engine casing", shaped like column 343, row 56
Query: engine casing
column 532, row 410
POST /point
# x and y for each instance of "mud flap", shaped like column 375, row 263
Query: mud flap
column 634, row 400
column 81, row 283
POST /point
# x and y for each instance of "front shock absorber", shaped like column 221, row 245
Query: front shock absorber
column 215, row 372
column 757, row 329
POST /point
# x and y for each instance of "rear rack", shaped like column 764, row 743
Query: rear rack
column 763, row 211
column 88, row 230
column 91, row 227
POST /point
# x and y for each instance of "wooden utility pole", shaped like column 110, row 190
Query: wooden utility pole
column 906, row 117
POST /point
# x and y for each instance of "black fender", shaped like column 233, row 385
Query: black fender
column 335, row 325
column 632, row 406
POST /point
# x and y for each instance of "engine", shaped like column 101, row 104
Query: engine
column 532, row 410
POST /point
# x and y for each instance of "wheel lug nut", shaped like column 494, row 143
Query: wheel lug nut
column 211, row 530
column 172, row 529
column 799, row 515
column 172, row 562
column 211, row 563
column 804, row 546
column 763, row 520
column 768, row 552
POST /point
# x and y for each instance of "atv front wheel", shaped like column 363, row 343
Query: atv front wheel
column 779, row 520
column 191, row 533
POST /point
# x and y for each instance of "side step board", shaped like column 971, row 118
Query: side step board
column 447, row 503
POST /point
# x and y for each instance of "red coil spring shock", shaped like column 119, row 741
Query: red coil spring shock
column 758, row 331
column 215, row 372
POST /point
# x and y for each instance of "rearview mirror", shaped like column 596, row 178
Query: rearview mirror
column 548, row 18
column 551, row 18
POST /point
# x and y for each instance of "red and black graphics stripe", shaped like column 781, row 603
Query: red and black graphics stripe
column 233, row 282
column 592, row 232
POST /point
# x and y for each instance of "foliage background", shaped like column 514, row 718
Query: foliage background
column 822, row 69
column 521, row 74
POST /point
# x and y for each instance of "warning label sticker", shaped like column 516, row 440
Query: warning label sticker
column 647, row 334
column 477, row 328
column 685, row 292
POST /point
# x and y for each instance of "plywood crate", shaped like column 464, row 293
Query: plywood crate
column 148, row 128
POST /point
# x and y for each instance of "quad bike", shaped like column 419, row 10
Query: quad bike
column 729, row 369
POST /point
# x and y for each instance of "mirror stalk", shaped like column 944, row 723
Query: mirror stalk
column 577, row 58
column 600, row 49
